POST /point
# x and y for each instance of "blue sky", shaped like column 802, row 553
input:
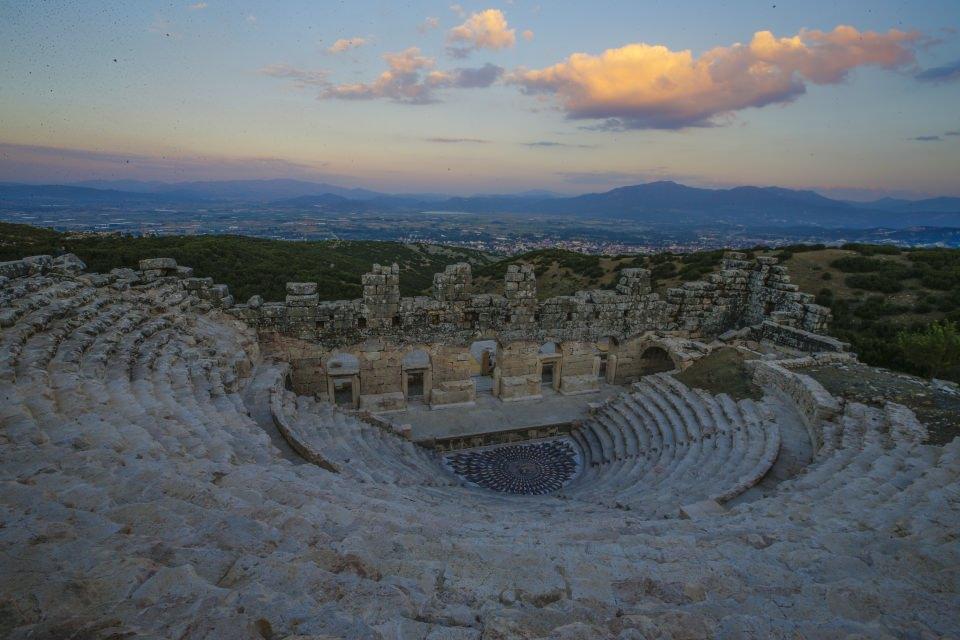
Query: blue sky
column 485, row 97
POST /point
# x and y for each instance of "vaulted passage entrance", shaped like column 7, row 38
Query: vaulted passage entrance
column 655, row 360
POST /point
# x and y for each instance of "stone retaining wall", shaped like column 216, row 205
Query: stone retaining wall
column 814, row 403
column 794, row 338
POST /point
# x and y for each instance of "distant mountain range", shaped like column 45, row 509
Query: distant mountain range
column 656, row 202
column 243, row 190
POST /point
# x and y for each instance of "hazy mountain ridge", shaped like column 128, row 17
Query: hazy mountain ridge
column 656, row 202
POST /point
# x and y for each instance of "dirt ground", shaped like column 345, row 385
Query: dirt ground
column 938, row 409
column 722, row 371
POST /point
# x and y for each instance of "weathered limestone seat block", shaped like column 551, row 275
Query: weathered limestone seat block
column 160, row 478
column 599, row 334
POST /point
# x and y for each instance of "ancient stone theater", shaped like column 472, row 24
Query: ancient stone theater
column 461, row 465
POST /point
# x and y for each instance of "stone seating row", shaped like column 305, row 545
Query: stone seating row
column 356, row 448
column 664, row 442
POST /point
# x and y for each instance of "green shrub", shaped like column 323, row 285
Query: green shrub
column 871, row 249
column 802, row 248
column 663, row 271
column 874, row 282
column 933, row 350
column 941, row 280
column 861, row 264
column 878, row 306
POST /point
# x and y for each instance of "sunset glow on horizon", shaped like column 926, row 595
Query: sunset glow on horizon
column 486, row 98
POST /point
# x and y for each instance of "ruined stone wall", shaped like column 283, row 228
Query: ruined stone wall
column 365, row 342
column 799, row 339
column 743, row 293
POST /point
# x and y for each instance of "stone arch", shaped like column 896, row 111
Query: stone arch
column 634, row 361
column 416, row 358
column 549, row 348
column 342, row 364
column 656, row 359
column 485, row 352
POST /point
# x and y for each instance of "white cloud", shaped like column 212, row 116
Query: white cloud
column 486, row 29
column 197, row 6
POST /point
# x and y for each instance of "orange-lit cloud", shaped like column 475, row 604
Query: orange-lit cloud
column 482, row 30
column 401, row 81
column 410, row 78
column 345, row 44
column 650, row 86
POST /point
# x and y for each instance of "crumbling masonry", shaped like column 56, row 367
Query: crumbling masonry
column 381, row 351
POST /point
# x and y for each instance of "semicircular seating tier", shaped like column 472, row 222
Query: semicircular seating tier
column 664, row 444
column 149, row 489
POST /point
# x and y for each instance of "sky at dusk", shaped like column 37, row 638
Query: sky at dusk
column 856, row 99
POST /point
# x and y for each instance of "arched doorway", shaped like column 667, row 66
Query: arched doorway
column 655, row 360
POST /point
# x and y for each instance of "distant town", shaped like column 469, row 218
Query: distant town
column 503, row 234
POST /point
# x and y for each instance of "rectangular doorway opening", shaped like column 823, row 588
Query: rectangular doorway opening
column 546, row 374
column 343, row 392
column 414, row 384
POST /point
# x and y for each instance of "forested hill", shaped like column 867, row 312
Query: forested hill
column 249, row 265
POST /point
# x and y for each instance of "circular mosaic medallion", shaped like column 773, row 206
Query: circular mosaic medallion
column 529, row 469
